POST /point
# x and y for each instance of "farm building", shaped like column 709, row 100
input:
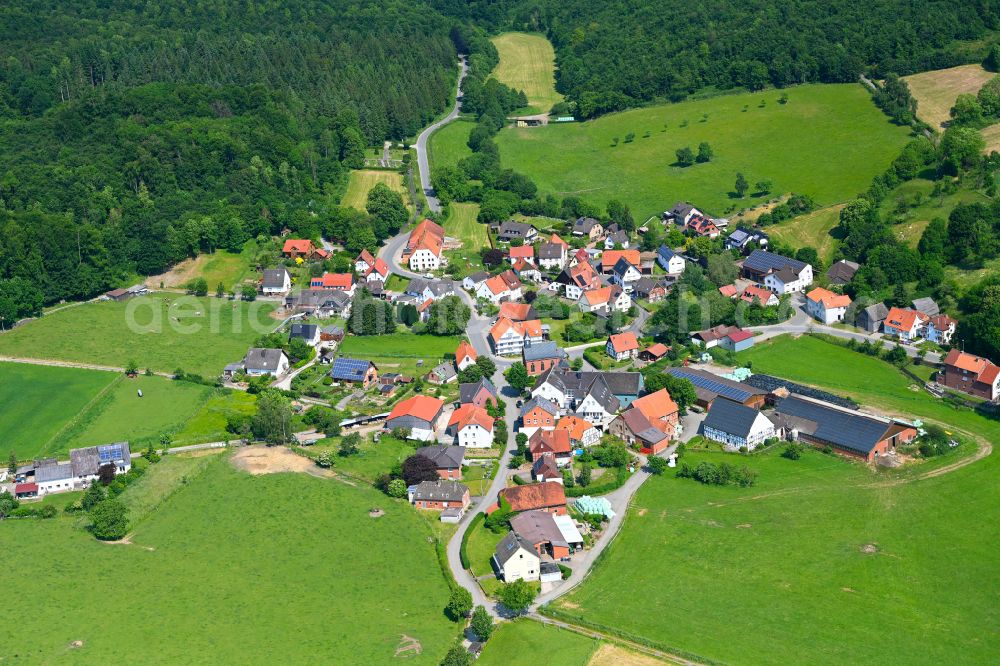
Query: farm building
column 417, row 415
column 447, row 459
column 438, row 495
column 355, row 371
column 970, row 374
column 709, row 386
column 548, row 497
column 480, row 394
column 736, row 425
column 275, row 281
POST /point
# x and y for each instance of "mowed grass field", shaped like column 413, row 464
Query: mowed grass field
column 449, row 144
column 528, row 637
column 400, row 352
column 234, row 568
column 813, row 229
column 362, row 181
column 527, row 62
column 828, row 141
column 462, row 224
column 780, row 571
column 165, row 406
column 208, row 424
column 228, row 268
column 160, row 331
column 38, row 401
column 937, row 91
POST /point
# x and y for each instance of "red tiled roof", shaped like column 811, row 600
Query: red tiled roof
column 828, row 298
column 366, row 257
column 469, row 414
column 302, row 246
column 728, row 290
column 597, row 296
column 555, row 239
column 556, row 441
column 657, row 350
column 25, row 488
column 611, row 257
column 903, row 320
column 522, row 251
column 575, row 426
column 465, row 349
column 943, row 322
column 753, row 291
column 381, row 267
column 656, row 405
column 535, row 496
column 515, row 311
column 623, row 342
column 496, row 285
column 426, row 235
column 333, row 281
column 422, row 407
column 740, row 336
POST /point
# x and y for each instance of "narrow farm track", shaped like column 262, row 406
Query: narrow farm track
column 631, row 645
column 423, row 160
column 71, row 364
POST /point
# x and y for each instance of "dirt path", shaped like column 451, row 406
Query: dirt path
column 599, row 635
column 70, row 364
column 260, row 459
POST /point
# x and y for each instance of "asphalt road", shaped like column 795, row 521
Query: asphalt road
column 421, row 145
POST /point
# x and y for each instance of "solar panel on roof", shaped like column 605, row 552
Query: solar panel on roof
column 349, row 368
column 110, row 453
column 731, row 392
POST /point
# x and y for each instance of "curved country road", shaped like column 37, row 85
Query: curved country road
column 421, row 145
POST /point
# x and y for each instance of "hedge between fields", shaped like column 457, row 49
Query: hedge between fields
column 463, row 554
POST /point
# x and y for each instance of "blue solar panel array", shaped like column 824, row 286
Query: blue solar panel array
column 759, row 260
column 731, row 392
column 349, row 369
column 110, row 453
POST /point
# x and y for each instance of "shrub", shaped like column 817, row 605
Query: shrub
column 459, row 604
column 47, row 511
column 565, row 571
column 396, row 488
column 793, row 451
column 656, row 465
column 110, row 520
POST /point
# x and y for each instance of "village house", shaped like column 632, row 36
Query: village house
column 554, row 442
column 651, row 422
column 681, row 213
column 762, row 296
column 354, row 371
column 826, row 306
column 940, row 328
column 549, row 534
column 424, row 247
column 295, row 248
column 718, row 335
column 425, row 289
column 275, row 282
column 649, row 289
column 544, row 468
column 611, row 257
column 322, row 304
column 343, row 282
column 842, row 272
column 525, row 252
column 526, row 271
column 708, row 387
column 579, row 278
column 846, row 431
column 970, row 374
column 508, row 338
column 443, row 373
column 779, row 274
column 588, row 227
column 670, row 261
column 605, row 300
column 582, row 432
column 364, row 262
column 480, row 393
column 548, row 497
column 622, row 346
column 872, row 317
column 616, row 238
column 538, row 414
column 515, row 559
column 503, row 287
column 465, row 355
column 308, row 333
column 625, row 274
column 540, row 356
column 737, row 426
column 905, row 324
column 568, row 388
column 259, row 362
column 331, row 334
column 552, row 256
column 49, row 476
column 654, row 352
column 517, row 311
column 743, row 239
column 729, row 290
column 472, row 281
column 699, row 225
column 447, row 460
column 737, row 341
column 512, row 230
column 417, row 415
column 439, row 495
column 471, row 427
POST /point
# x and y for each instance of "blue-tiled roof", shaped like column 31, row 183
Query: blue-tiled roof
column 763, row 261
column 349, row 369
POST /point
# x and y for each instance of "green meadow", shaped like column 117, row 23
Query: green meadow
column 160, row 331
column 400, row 352
column 824, row 560
column 233, row 568
column 827, row 141
column 522, row 638
column 448, row 144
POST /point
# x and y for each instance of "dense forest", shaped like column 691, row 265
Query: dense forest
column 136, row 135
column 612, row 54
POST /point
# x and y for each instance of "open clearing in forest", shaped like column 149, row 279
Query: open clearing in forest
column 362, row 181
column 463, row 225
column 852, row 542
column 266, row 547
column 813, row 229
column 937, row 91
column 527, row 62
column 827, row 141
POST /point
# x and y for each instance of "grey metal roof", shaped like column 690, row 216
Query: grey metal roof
column 841, row 427
column 478, row 276
column 763, row 261
column 927, row 306
column 304, row 331
column 320, row 299
column 537, row 351
column 446, row 370
column 274, row 278
column 262, row 359
column 545, row 404
column 681, row 209
column 739, row 237
column 445, row 457
column 508, row 547
column 514, row 228
column 468, row 391
column 640, row 426
column 584, row 224
column 446, row 491
column 877, row 312
column 550, row 251
column 713, row 384
column 536, row 527
column 57, row 472
column 578, row 383
column 731, row 417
